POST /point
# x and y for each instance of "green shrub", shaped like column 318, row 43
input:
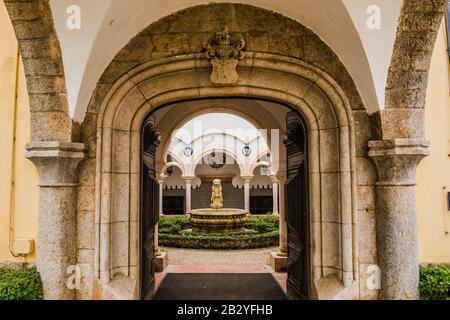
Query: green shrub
column 263, row 223
column 435, row 283
column 221, row 242
column 23, row 284
column 262, row 231
column 173, row 224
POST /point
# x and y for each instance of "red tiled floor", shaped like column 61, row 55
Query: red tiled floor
column 280, row 277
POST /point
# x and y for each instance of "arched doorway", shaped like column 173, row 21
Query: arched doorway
column 331, row 164
column 294, row 136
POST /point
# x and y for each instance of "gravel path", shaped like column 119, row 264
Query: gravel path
column 254, row 257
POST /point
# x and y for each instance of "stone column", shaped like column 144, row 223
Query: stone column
column 161, row 257
column 282, row 251
column 277, row 260
column 396, row 161
column 188, row 181
column 57, row 165
column 275, row 195
column 161, row 196
column 156, row 236
column 247, row 181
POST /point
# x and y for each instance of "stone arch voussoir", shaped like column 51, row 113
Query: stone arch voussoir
column 41, row 54
column 407, row 81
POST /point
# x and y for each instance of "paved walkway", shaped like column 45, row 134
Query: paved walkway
column 220, row 261
column 219, row 286
column 249, row 258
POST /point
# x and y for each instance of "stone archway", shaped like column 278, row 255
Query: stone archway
column 44, row 70
column 51, row 124
column 51, row 148
column 289, row 81
column 275, row 77
column 399, row 131
column 408, row 73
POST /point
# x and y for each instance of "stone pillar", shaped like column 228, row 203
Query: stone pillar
column 161, row 257
column 247, row 181
column 188, row 181
column 156, row 235
column 275, row 195
column 282, row 251
column 161, row 196
column 396, row 161
column 57, row 165
column 277, row 260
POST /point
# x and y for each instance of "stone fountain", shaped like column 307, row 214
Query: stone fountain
column 217, row 219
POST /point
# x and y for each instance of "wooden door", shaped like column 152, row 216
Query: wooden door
column 296, row 201
column 149, row 208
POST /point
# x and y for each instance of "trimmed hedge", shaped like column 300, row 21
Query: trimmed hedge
column 263, row 232
column 22, row 284
column 435, row 283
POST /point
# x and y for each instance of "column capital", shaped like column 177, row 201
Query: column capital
column 247, row 179
column 281, row 177
column 188, row 179
column 56, row 162
column 161, row 179
column 274, row 179
column 397, row 159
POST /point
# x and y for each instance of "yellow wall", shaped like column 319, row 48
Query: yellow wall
column 25, row 199
column 433, row 175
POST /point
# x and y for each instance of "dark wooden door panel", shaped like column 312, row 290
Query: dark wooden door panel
column 296, row 192
column 149, row 208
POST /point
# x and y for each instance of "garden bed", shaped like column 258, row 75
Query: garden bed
column 435, row 282
column 261, row 232
column 20, row 284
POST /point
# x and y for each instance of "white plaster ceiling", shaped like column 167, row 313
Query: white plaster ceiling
column 108, row 25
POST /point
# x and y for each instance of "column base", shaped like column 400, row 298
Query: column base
column 162, row 261
column 277, row 262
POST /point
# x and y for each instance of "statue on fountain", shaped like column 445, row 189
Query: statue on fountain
column 217, row 219
column 217, row 197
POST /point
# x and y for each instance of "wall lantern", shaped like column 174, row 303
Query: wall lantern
column 246, row 151
column 188, row 151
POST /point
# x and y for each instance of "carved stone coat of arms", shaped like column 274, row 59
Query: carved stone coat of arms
column 224, row 55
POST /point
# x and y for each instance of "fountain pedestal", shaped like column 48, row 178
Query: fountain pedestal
column 218, row 220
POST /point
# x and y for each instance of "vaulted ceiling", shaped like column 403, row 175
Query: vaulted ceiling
column 108, row 25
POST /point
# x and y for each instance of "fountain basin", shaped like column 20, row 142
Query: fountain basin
column 218, row 220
